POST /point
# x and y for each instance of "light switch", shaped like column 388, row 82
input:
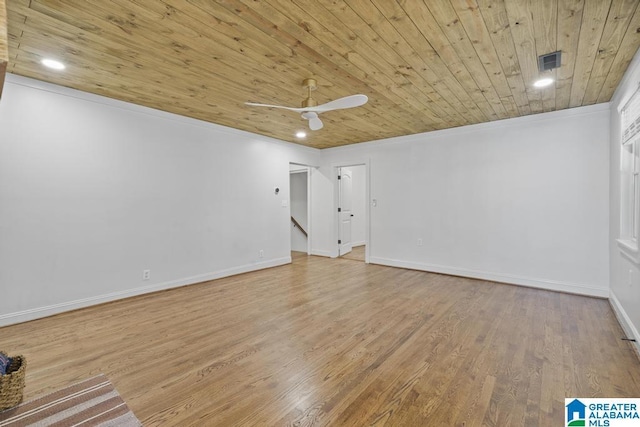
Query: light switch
column 374, row 203
column 285, row 203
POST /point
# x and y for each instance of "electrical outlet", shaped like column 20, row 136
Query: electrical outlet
column 260, row 253
column 419, row 242
column 146, row 274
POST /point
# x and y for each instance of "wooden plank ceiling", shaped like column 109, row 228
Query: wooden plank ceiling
column 4, row 45
column 424, row 64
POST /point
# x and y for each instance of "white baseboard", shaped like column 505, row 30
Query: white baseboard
column 362, row 243
column 497, row 277
column 39, row 312
column 627, row 325
column 321, row 253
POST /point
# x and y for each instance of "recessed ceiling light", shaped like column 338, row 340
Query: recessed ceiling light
column 53, row 64
column 543, row 82
column 301, row 134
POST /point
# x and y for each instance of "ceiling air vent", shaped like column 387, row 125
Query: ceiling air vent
column 549, row 61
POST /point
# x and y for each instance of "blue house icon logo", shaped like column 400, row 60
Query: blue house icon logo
column 576, row 413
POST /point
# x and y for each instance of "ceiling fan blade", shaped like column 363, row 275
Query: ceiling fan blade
column 341, row 103
column 338, row 104
column 315, row 123
column 254, row 104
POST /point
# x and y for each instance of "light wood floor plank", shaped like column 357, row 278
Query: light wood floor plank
column 338, row 342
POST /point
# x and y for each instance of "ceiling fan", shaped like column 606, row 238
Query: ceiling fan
column 310, row 108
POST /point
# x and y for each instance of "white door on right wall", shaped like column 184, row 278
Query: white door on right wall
column 345, row 185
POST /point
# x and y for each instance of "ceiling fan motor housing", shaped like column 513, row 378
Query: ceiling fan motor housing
column 309, row 84
column 309, row 102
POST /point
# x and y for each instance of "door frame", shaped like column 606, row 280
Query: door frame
column 336, row 202
column 307, row 169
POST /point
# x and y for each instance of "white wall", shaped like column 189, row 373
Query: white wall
column 299, row 209
column 625, row 274
column 93, row 191
column 523, row 201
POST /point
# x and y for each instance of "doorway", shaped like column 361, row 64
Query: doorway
column 352, row 212
column 299, row 205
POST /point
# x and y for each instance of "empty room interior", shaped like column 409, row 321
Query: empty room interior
column 323, row 213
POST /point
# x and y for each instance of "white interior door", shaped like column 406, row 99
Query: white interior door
column 344, row 210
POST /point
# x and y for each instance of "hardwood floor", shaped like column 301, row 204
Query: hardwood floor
column 356, row 254
column 337, row 342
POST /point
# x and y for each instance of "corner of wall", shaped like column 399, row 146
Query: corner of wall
column 627, row 325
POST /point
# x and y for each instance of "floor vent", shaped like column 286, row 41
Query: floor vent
column 549, row 61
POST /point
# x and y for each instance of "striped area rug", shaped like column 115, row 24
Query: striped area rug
column 93, row 402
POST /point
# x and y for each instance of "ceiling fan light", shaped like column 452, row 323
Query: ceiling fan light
column 53, row 64
column 315, row 124
column 301, row 134
column 543, row 82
